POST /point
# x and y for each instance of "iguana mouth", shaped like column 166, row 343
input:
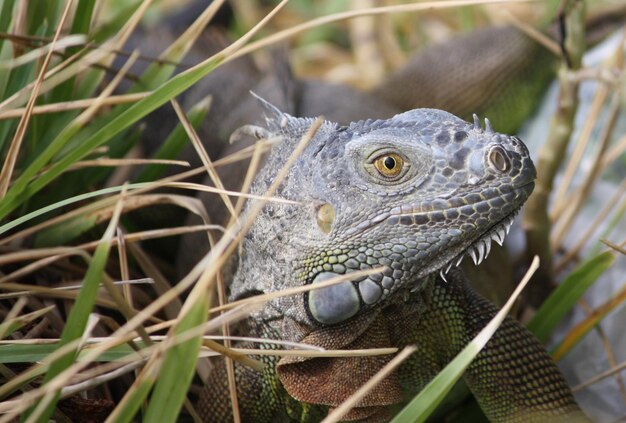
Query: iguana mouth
column 480, row 249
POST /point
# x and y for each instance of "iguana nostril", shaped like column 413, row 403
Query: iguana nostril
column 335, row 303
column 325, row 217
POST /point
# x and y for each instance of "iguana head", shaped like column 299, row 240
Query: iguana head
column 412, row 194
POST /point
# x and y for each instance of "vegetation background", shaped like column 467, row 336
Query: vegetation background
column 97, row 324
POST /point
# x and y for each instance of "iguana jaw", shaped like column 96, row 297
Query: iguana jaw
column 479, row 250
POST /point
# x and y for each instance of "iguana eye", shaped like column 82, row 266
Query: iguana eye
column 499, row 160
column 389, row 165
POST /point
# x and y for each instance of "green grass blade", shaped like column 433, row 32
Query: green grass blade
column 82, row 17
column 80, row 25
column 47, row 13
column 563, row 299
column 120, row 15
column 178, row 368
column 6, row 48
column 61, row 234
column 6, row 16
column 422, row 406
column 24, row 353
column 6, row 53
column 132, row 401
column 83, row 307
column 78, row 198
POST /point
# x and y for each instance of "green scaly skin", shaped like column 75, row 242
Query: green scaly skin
column 458, row 188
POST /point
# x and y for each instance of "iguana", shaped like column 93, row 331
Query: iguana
column 413, row 194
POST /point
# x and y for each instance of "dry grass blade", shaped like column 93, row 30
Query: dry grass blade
column 533, row 33
column 9, row 319
column 89, row 208
column 123, row 306
column 581, row 195
column 135, row 190
column 266, row 341
column 308, row 353
column 244, row 153
column 594, row 318
column 204, row 156
column 255, row 162
column 74, row 287
column 199, row 187
column 106, row 162
column 32, row 267
column 123, row 261
column 161, row 284
column 619, row 248
column 561, row 199
column 16, row 100
column 613, row 371
column 100, row 375
column 34, row 254
column 94, row 107
column 300, row 289
column 14, row 149
column 614, row 153
column 49, row 255
column 41, row 291
column 573, row 252
column 54, row 46
column 73, row 105
column 14, row 321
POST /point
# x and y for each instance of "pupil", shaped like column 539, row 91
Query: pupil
column 390, row 162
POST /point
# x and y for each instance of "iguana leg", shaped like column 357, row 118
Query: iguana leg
column 513, row 378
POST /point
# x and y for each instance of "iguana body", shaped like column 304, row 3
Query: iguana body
column 414, row 193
